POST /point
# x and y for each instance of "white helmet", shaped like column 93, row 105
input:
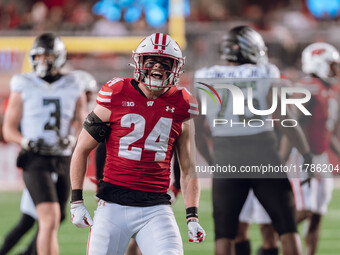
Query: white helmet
column 159, row 45
column 317, row 57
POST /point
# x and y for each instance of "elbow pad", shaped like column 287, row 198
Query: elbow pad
column 98, row 129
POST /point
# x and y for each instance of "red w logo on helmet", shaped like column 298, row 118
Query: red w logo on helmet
column 318, row 52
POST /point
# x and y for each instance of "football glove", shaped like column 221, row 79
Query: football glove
column 195, row 231
column 80, row 216
column 37, row 146
column 70, row 140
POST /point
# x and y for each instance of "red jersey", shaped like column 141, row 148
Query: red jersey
column 141, row 143
column 320, row 126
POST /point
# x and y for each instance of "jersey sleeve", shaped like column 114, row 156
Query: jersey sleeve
column 190, row 105
column 107, row 92
column 273, row 71
column 17, row 83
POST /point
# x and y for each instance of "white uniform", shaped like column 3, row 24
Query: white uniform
column 48, row 109
column 260, row 78
column 154, row 228
column 316, row 196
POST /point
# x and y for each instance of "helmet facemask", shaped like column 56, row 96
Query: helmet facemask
column 43, row 67
column 53, row 48
column 167, row 53
column 156, row 72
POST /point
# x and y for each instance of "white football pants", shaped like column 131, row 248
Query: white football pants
column 316, row 196
column 154, row 228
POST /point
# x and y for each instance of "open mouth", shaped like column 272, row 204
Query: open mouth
column 157, row 75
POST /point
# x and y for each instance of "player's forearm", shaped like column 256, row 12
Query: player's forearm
column 12, row 134
column 190, row 188
column 297, row 138
column 78, row 169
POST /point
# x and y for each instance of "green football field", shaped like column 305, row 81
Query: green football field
column 73, row 240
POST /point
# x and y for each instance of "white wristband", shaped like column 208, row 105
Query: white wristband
column 24, row 143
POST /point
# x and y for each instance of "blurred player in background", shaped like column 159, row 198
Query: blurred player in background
column 45, row 103
column 319, row 63
column 26, row 222
column 141, row 120
column 253, row 212
column 27, row 207
column 244, row 51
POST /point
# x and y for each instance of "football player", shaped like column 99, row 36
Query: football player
column 244, row 52
column 319, row 63
column 141, row 119
column 45, row 103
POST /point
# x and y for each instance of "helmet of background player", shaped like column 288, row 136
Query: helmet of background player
column 243, row 45
column 161, row 46
column 318, row 58
column 50, row 45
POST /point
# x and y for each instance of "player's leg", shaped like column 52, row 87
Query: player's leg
column 313, row 234
column 242, row 241
column 320, row 197
column 270, row 240
column 229, row 196
column 321, row 189
column 31, row 249
column 25, row 224
column 280, row 207
column 270, row 237
column 133, row 248
column 160, row 234
column 110, row 233
column 42, row 189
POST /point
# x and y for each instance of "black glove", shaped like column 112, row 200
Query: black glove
column 37, row 146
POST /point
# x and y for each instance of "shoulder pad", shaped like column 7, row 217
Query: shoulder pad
column 18, row 82
column 190, row 102
column 273, row 71
column 108, row 90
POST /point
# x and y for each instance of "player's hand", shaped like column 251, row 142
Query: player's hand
column 81, row 217
column 70, row 140
column 34, row 146
column 195, row 231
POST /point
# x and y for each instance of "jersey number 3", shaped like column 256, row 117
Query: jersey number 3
column 156, row 141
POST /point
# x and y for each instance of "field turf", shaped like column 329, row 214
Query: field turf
column 73, row 241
